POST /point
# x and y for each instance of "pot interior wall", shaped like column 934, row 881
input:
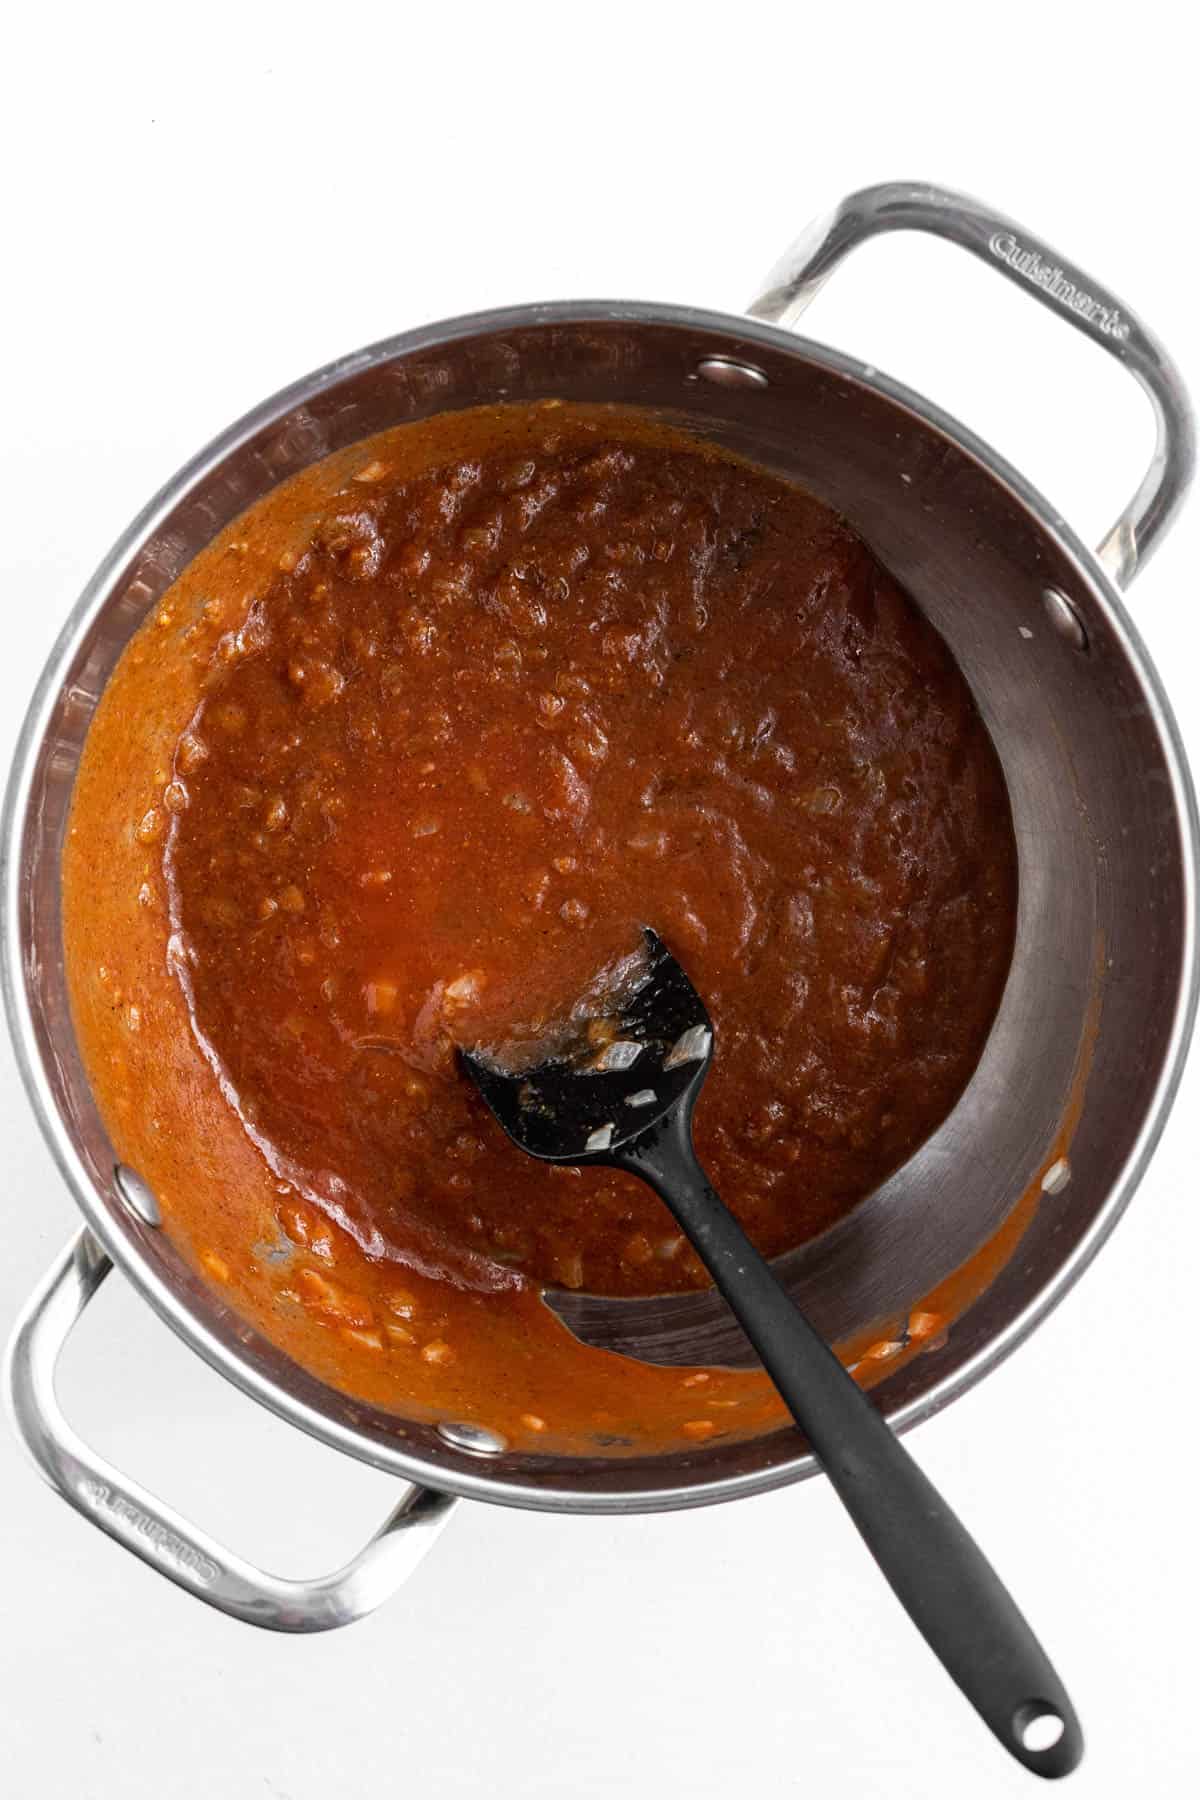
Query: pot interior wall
column 1103, row 906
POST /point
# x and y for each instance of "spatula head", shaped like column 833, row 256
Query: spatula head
column 612, row 1080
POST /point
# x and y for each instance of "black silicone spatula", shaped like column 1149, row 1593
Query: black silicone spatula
column 620, row 1091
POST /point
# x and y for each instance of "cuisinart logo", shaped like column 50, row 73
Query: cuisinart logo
column 1059, row 286
column 167, row 1545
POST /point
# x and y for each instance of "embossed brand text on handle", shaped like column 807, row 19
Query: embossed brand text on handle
column 167, row 1545
column 1051, row 279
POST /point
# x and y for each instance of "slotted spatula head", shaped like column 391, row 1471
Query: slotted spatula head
column 611, row 1081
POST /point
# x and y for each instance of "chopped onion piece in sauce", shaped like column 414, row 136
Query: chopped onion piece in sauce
column 621, row 1054
column 692, row 1046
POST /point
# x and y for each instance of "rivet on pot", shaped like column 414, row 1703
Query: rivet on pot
column 137, row 1195
column 478, row 1439
column 1064, row 618
column 727, row 371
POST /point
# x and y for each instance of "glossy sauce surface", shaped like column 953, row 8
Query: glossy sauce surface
column 497, row 717
column 483, row 716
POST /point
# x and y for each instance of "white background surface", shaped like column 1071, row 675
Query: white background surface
column 203, row 203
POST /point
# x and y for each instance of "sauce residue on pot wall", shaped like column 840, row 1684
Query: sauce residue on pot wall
column 411, row 750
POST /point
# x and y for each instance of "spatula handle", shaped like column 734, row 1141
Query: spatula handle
column 941, row 1577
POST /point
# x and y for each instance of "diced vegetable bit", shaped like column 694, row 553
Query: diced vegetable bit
column 362, row 1340
column 465, row 989
column 381, row 997
column 651, row 843
column 621, row 1054
column 821, row 800
column 569, row 1268
column 335, row 1305
column 190, row 752
column 925, row 1324
column 691, row 1046
column 308, row 1229
column 1057, row 1176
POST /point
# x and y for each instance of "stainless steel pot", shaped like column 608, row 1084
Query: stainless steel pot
column 1103, row 978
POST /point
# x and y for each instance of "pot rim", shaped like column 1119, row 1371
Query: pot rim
column 464, row 1481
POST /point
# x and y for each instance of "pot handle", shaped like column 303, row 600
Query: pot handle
column 153, row 1531
column 1016, row 253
